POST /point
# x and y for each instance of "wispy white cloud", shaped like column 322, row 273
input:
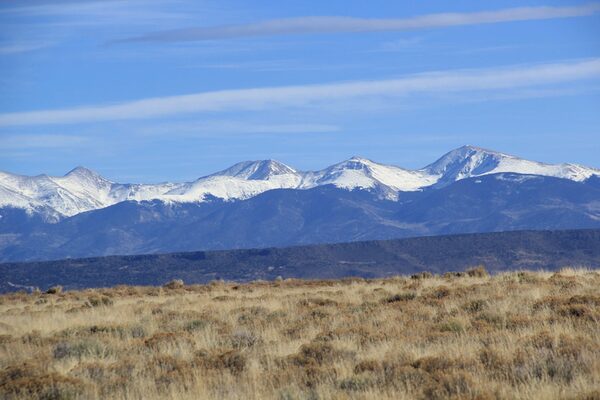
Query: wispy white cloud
column 401, row 44
column 93, row 20
column 22, row 47
column 278, row 65
column 29, row 141
column 219, row 128
column 337, row 24
column 97, row 12
column 439, row 83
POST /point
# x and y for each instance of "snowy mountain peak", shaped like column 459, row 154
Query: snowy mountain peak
column 257, row 170
column 84, row 174
column 465, row 160
column 471, row 161
column 354, row 162
column 469, row 147
column 80, row 170
column 82, row 189
column 358, row 172
column 359, row 159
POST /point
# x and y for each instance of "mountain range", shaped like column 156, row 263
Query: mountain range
column 267, row 203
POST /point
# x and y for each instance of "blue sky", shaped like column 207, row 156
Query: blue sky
column 147, row 91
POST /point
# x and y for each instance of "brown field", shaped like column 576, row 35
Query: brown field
column 517, row 335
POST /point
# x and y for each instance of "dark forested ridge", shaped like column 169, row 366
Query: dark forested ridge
column 497, row 251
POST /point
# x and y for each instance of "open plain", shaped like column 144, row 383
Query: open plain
column 514, row 335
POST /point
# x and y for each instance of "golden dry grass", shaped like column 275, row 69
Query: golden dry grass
column 518, row 335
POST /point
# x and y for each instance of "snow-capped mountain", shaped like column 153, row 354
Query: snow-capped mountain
column 83, row 190
column 467, row 190
column 241, row 181
column 471, row 161
column 361, row 173
column 78, row 191
column 258, row 170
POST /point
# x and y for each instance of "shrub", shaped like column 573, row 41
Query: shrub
column 194, row 325
column 98, row 301
column 478, row 272
column 50, row 386
column 441, row 292
column 174, row 284
column 432, row 364
column 317, row 301
column 453, row 274
column 356, row 383
column 55, row 290
column 490, row 318
column 161, row 339
column 590, row 300
column 138, row 331
column 422, row 275
column 233, row 360
column 450, row 385
column 368, row 365
column 401, row 297
column 454, row 326
column 79, row 349
column 527, row 277
column 4, row 339
column 591, row 395
column 475, row 306
column 495, row 362
column 577, row 311
column 243, row 339
column 315, row 353
column 406, row 378
column 170, row 371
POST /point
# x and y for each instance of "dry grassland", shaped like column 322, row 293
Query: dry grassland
column 519, row 335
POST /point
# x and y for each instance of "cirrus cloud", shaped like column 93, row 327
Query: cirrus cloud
column 256, row 99
column 339, row 24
